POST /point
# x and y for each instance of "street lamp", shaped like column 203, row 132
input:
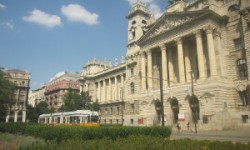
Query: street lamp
column 122, row 117
column 161, row 97
column 193, row 105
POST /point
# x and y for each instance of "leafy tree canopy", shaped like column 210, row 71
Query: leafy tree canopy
column 41, row 108
column 75, row 101
column 7, row 99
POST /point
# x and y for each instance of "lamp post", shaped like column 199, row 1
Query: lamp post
column 122, row 117
column 161, row 97
column 194, row 106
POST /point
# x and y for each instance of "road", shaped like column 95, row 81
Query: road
column 232, row 135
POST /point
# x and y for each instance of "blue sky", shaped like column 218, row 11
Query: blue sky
column 45, row 37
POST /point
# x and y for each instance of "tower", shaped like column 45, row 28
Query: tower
column 138, row 20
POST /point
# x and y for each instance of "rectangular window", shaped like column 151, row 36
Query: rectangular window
column 111, row 110
column 118, row 110
column 238, row 45
column 131, row 121
column 244, row 98
column 244, row 118
column 132, row 108
column 242, row 69
column 205, row 119
column 132, row 71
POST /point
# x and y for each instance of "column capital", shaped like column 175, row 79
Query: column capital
column 149, row 52
column 217, row 33
column 178, row 40
column 197, row 33
column 142, row 53
column 209, row 29
column 162, row 47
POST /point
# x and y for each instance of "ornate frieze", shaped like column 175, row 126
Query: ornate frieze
column 169, row 23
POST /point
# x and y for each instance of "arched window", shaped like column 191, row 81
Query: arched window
column 132, row 88
column 133, row 22
column 242, row 69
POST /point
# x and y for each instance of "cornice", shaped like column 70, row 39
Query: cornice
column 118, row 68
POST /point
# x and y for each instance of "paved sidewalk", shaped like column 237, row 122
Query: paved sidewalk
column 232, row 135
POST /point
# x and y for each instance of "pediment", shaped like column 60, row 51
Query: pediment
column 169, row 21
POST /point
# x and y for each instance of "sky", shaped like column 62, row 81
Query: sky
column 45, row 37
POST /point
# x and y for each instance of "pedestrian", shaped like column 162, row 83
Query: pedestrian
column 188, row 126
column 178, row 127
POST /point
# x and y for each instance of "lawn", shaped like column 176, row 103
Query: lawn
column 14, row 142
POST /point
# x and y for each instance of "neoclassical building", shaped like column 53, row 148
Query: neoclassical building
column 190, row 65
column 36, row 96
column 21, row 79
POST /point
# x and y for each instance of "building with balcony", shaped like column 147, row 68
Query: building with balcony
column 36, row 96
column 58, row 86
column 22, row 81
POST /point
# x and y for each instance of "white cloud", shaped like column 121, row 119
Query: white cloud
column 155, row 9
column 151, row 5
column 77, row 13
column 42, row 18
column 8, row 24
column 2, row 6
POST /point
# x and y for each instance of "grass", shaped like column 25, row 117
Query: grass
column 15, row 142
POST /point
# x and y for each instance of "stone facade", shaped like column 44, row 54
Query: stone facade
column 36, row 96
column 200, row 50
column 22, row 80
column 58, row 86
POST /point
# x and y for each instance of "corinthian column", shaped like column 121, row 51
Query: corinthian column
column 116, row 96
column 110, row 89
column 143, row 71
column 104, row 90
column 150, row 72
column 164, row 65
column 100, row 91
column 200, row 55
column 180, row 60
column 187, row 63
column 171, row 68
column 211, row 51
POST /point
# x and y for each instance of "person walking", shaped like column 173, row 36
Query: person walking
column 178, row 127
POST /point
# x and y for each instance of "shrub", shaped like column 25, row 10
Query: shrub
column 60, row 133
column 138, row 143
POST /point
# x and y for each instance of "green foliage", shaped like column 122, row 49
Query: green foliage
column 95, row 106
column 7, row 89
column 60, row 133
column 41, row 108
column 137, row 143
column 74, row 101
column 71, row 101
column 111, row 138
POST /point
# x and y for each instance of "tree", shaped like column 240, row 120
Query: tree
column 95, row 106
column 86, row 100
column 7, row 100
column 34, row 113
column 75, row 101
column 71, row 101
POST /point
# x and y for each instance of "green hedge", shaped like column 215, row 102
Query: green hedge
column 60, row 133
column 137, row 143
